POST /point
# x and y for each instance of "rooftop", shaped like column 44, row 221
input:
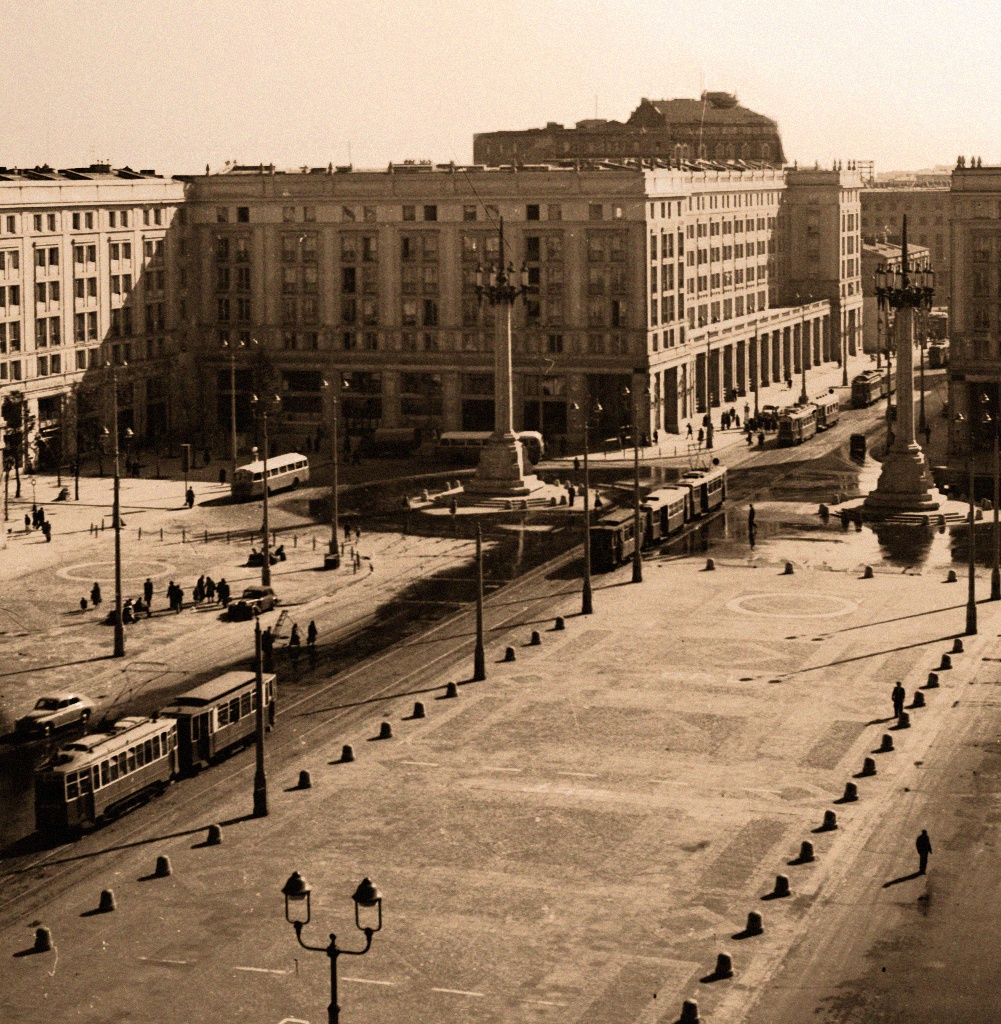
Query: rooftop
column 95, row 172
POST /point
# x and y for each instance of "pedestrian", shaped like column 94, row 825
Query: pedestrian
column 148, row 592
column 222, row 475
column 294, row 643
column 923, row 844
column 761, row 439
column 357, row 534
column 95, row 595
column 347, row 533
column 47, row 530
column 223, row 589
column 83, row 604
column 127, row 614
column 189, row 497
column 747, row 411
column 751, row 516
column 898, row 695
column 311, row 634
column 736, row 421
column 702, row 435
column 179, row 595
column 576, row 464
column 210, row 588
column 709, row 436
column 27, row 522
column 199, row 592
column 570, row 495
column 268, row 649
column 689, row 425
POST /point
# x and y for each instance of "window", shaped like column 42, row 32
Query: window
column 43, row 366
column 349, row 280
column 308, row 213
column 410, row 213
column 40, row 291
column 76, row 221
column 39, row 257
column 79, row 327
column 555, row 344
column 221, row 215
column 430, row 246
column 533, row 248
column 91, row 287
column 126, row 250
column 242, row 215
column 37, row 221
column 158, row 216
column 430, row 212
column 125, row 218
column 11, row 225
column 223, row 310
column 55, row 364
column 532, row 212
column 469, row 213
column 349, row 248
column 430, row 313
column 54, row 291
column 52, row 221
column 112, row 218
column 288, row 214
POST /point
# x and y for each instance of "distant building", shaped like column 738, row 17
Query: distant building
column 667, row 281
column 86, row 276
column 715, row 128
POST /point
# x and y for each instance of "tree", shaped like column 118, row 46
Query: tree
column 18, row 426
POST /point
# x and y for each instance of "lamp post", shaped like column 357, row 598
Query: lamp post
column 587, row 604
column 263, row 411
column 803, row 396
column 297, row 892
column 119, row 651
column 991, row 417
column 922, row 338
column 260, row 779
column 332, row 559
column 479, row 657
column 971, row 595
column 233, row 346
column 756, row 341
column 637, row 554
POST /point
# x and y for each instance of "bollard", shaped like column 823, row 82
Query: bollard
column 314, row 543
column 140, row 537
column 836, row 499
column 183, row 534
column 206, row 537
column 781, row 886
column 227, row 537
column 886, row 744
column 536, row 639
column 851, row 793
column 957, row 646
column 451, row 690
column 418, row 710
column 43, row 940
column 824, row 511
column 163, row 869
column 102, row 526
column 710, row 565
column 788, row 569
column 385, row 731
column 830, row 822
column 868, row 767
column 306, row 780
column 946, row 663
column 107, row 903
column 754, row 924
column 867, row 575
column 347, row 754
column 295, row 540
column 161, row 533
column 689, row 1013
column 214, row 838
column 724, row 966
column 805, row 853
column 932, row 683
column 951, row 578
column 559, row 623
column 509, row 654
column 919, row 699
column 904, row 721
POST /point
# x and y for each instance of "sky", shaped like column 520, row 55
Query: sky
column 178, row 84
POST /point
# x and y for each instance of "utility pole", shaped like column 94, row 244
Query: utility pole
column 479, row 658
column 260, row 779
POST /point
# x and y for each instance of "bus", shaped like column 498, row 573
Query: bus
column 470, row 442
column 797, row 425
column 284, row 471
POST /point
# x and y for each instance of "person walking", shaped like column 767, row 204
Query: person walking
column 689, row 433
column 148, row 594
column 222, row 587
column 923, row 844
column 751, row 516
column 898, row 695
column 199, row 591
column 311, row 634
column 702, row 435
column 47, row 531
column 294, row 643
column 210, row 589
column 95, row 595
column 179, row 596
column 189, row 497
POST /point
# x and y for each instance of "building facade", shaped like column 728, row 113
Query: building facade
column 665, row 282
column 876, row 333
column 715, row 127
column 927, row 208
column 86, row 277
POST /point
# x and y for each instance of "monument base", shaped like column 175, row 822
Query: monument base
column 904, row 484
column 501, row 472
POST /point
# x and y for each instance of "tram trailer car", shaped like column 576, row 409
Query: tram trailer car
column 95, row 778
column 666, row 510
column 828, row 411
column 217, row 717
column 797, row 425
column 707, row 487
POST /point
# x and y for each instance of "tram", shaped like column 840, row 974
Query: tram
column 664, row 511
column 828, row 411
column 870, row 387
column 707, row 487
column 613, row 539
column 797, row 425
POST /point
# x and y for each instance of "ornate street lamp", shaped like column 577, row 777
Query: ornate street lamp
column 587, row 605
column 479, row 656
column 297, row 912
column 119, row 650
column 260, row 778
column 637, row 554
column 332, row 559
column 261, row 405
column 233, row 346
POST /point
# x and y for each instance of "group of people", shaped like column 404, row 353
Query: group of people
column 37, row 521
column 206, row 589
column 294, row 645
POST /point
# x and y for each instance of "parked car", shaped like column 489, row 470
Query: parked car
column 254, row 601
column 55, row 711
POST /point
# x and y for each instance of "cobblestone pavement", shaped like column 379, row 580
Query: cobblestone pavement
column 575, row 839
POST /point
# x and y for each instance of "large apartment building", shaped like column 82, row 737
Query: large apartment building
column 86, row 277
column 665, row 280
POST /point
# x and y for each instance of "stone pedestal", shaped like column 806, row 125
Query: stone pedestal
column 501, row 472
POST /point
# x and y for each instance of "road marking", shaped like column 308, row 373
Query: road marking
column 459, row 992
column 577, row 775
column 491, row 768
column 175, row 963
column 368, row 981
column 260, row 970
column 422, row 764
column 541, row 1002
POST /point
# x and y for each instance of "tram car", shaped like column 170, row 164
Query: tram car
column 828, row 411
column 870, row 387
column 217, row 717
column 797, row 425
column 613, row 539
column 938, row 355
column 664, row 511
column 707, row 488
column 96, row 778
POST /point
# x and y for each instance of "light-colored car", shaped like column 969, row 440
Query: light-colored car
column 55, row 711
column 254, row 601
